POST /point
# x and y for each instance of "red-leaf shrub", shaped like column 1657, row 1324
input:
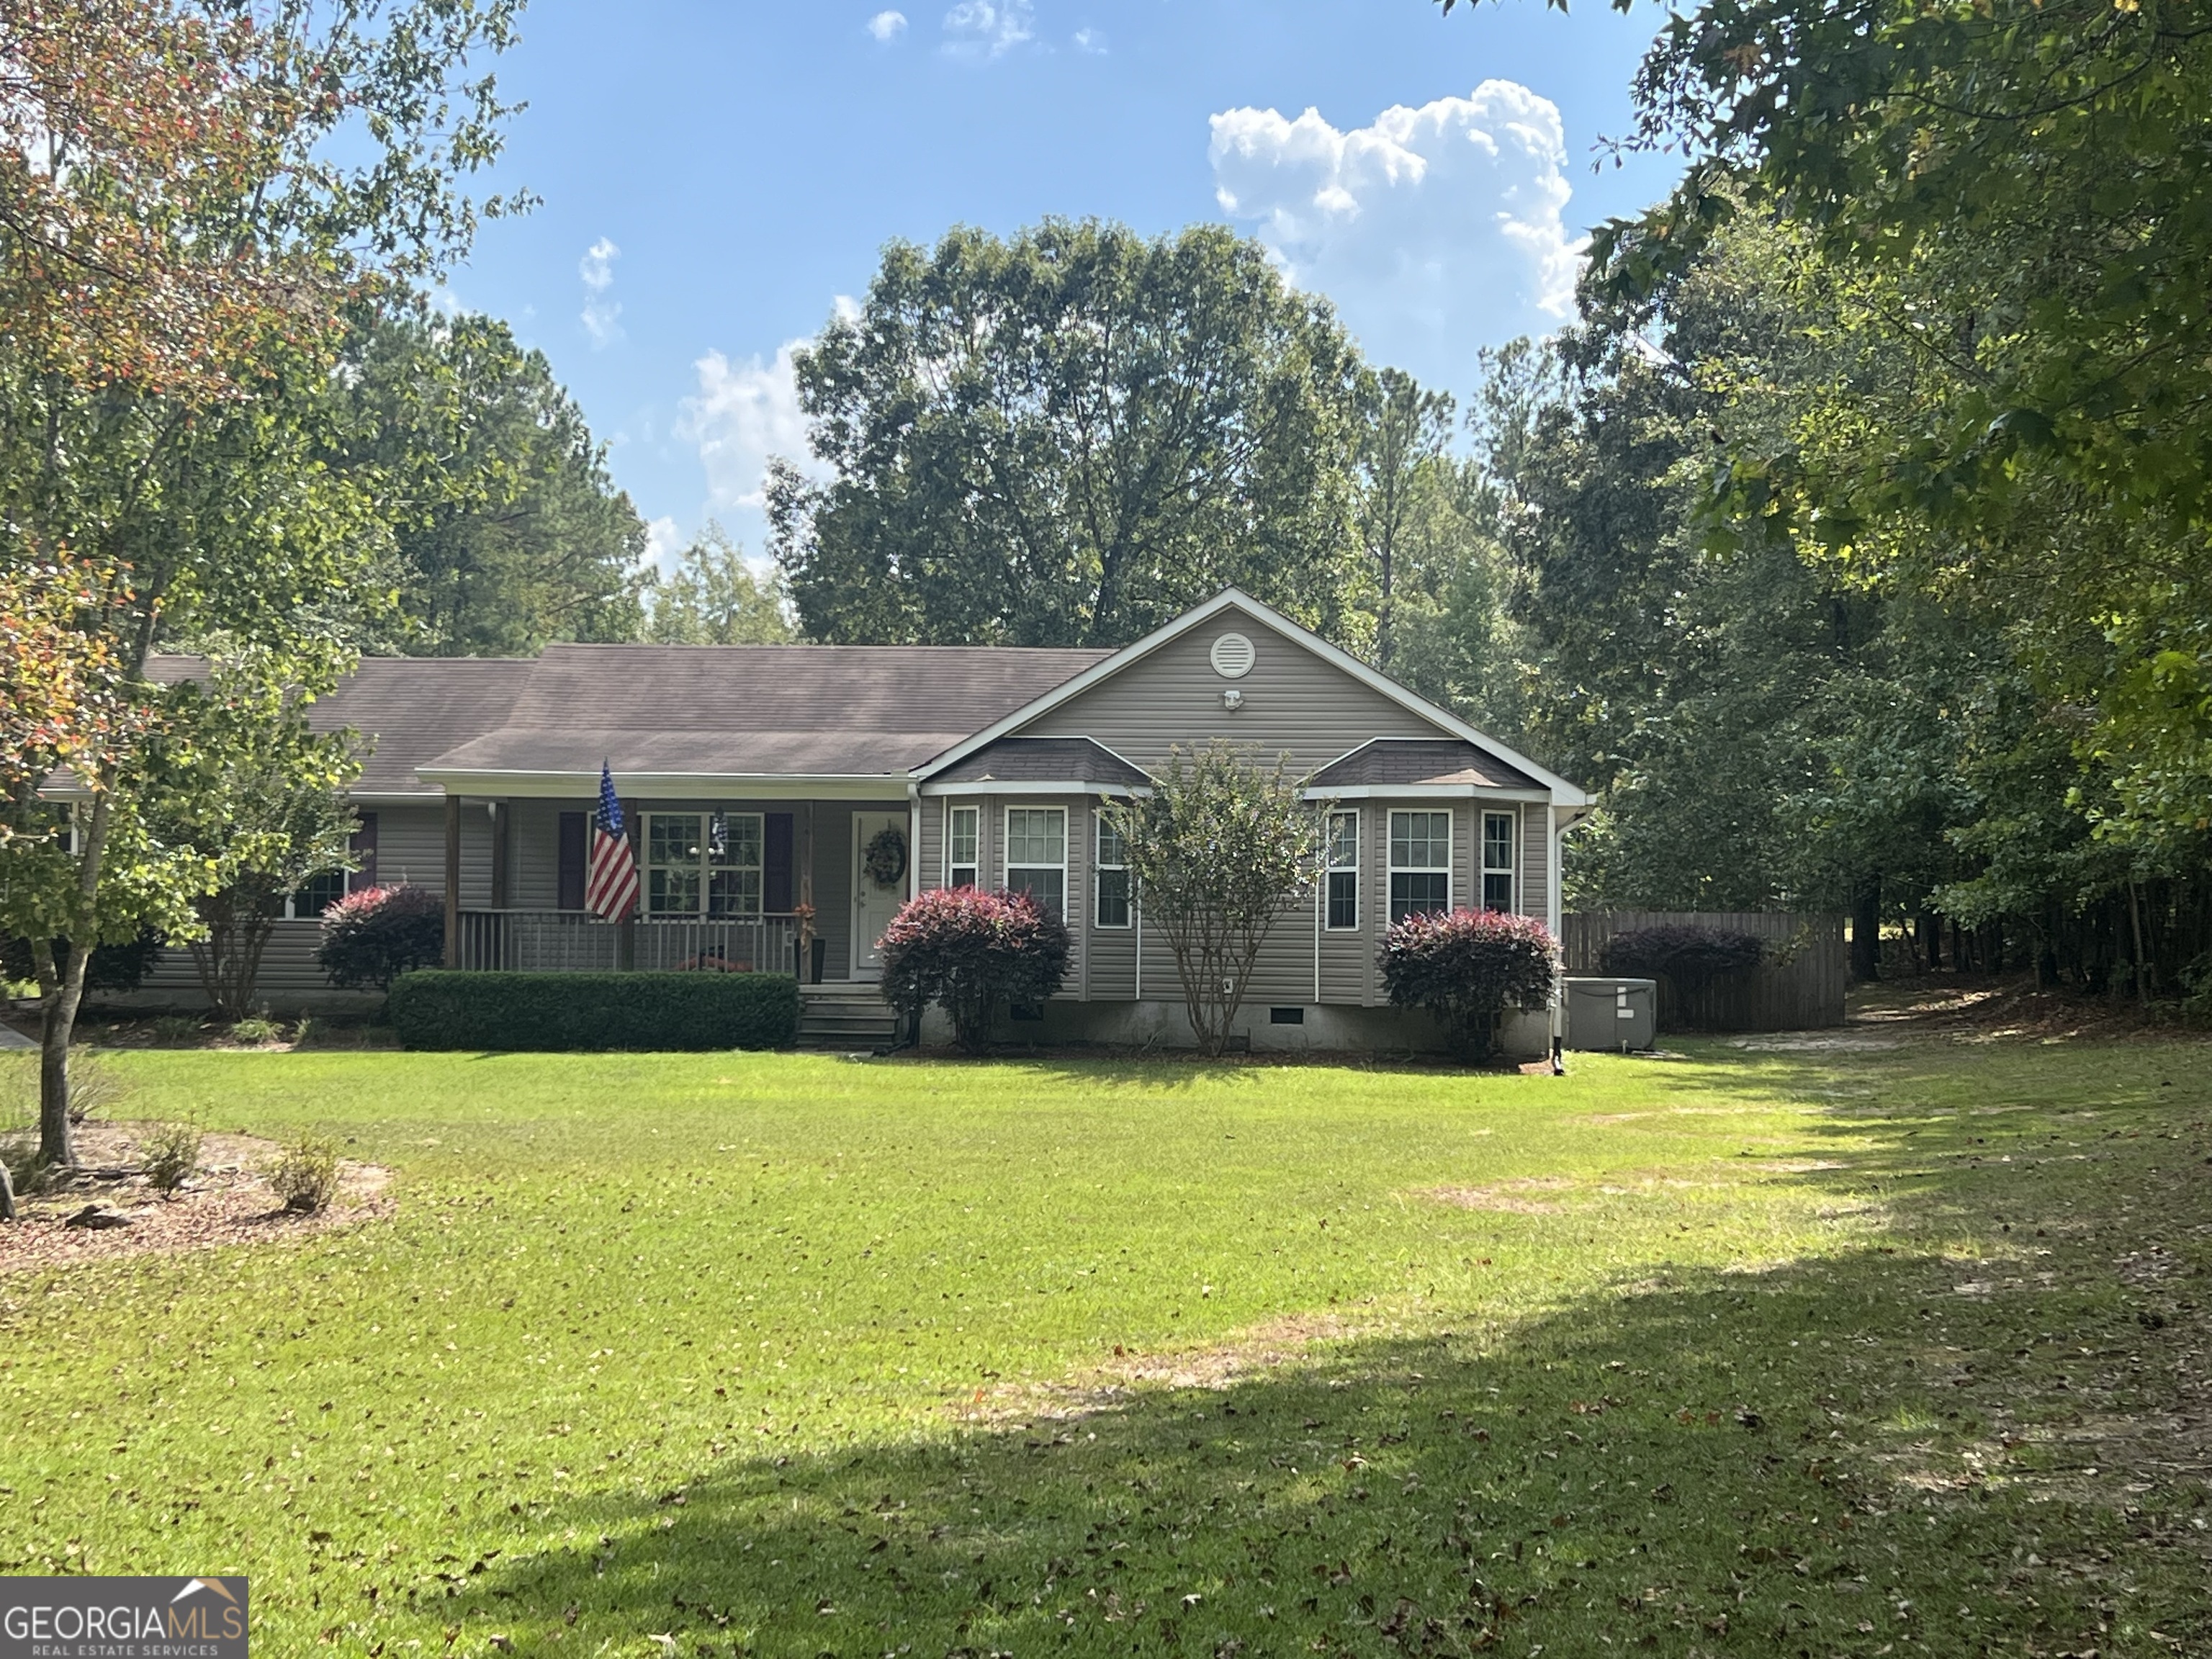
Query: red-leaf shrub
column 373, row 936
column 971, row 951
column 1468, row 967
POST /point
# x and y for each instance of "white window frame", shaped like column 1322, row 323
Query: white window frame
column 1006, row 826
column 1099, row 871
column 1396, row 869
column 706, row 868
column 1510, row 869
column 1331, row 870
column 974, row 866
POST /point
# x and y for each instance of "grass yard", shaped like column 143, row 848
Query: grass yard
column 1836, row 1350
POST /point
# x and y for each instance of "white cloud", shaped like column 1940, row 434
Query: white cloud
column 1436, row 230
column 987, row 28
column 663, row 541
column 601, row 316
column 887, row 25
column 743, row 414
column 1091, row 40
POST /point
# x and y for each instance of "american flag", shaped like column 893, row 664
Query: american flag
column 611, row 880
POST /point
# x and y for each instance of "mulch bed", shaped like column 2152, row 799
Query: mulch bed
column 226, row 1202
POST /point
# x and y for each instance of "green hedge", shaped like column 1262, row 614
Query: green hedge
column 432, row 1008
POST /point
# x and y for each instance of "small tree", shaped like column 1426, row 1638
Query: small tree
column 971, row 951
column 1467, row 968
column 371, row 937
column 1219, row 849
column 250, row 787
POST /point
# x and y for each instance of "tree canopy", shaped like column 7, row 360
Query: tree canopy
column 507, row 528
column 1067, row 437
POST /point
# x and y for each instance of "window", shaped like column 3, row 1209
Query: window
column 1498, row 860
column 1343, row 870
column 318, row 895
column 1420, row 863
column 703, row 864
column 1112, row 909
column 1036, row 854
column 963, row 833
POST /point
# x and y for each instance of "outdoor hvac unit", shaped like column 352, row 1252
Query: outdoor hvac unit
column 1613, row 1014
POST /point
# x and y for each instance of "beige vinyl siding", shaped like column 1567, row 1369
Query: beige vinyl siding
column 534, row 856
column 929, row 845
column 289, row 975
column 1534, row 890
column 1294, row 703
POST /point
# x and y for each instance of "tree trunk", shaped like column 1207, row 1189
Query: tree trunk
column 7, row 1195
column 1931, row 941
column 56, row 1139
column 1866, row 928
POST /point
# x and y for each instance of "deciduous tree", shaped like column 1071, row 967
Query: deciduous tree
column 1069, row 437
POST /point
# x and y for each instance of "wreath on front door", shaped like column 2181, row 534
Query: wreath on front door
column 885, row 858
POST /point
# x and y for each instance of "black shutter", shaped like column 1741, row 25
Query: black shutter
column 775, row 864
column 572, row 860
column 362, row 842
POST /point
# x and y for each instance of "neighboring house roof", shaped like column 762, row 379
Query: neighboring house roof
column 771, row 711
column 1564, row 794
column 1388, row 761
column 1044, row 760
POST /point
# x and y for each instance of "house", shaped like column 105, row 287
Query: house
column 760, row 779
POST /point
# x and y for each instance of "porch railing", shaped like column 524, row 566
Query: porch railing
column 541, row 941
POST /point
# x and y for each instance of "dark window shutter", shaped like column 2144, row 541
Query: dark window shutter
column 572, row 860
column 775, row 864
column 362, row 842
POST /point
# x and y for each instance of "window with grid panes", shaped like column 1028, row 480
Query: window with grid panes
column 1343, row 871
column 1113, row 874
column 687, row 874
column 1498, row 860
column 1420, row 863
column 1036, row 854
column 963, row 838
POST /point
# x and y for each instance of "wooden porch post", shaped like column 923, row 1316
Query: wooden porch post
column 452, row 880
column 498, row 854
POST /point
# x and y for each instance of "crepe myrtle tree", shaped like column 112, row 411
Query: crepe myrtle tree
column 1219, row 848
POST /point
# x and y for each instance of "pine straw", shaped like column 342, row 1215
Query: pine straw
column 226, row 1202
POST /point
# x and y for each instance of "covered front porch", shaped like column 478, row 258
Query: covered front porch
column 725, row 884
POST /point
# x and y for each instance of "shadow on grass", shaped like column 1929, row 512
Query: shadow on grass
column 1974, row 1436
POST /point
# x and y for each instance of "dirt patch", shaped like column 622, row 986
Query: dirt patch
column 227, row 1202
column 1514, row 1197
column 1266, row 1346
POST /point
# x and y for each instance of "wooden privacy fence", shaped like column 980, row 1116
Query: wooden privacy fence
column 1798, row 984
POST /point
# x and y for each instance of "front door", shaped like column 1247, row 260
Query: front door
column 881, row 857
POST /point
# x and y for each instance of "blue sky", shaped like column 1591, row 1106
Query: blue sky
column 714, row 176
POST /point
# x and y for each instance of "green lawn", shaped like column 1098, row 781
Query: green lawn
column 1820, row 1352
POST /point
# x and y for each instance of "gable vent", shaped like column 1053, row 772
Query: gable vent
column 1233, row 656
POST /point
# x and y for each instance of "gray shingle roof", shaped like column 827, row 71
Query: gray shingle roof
column 1417, row 761
column 758, row 711
column 413, row 707
column 1042, row 760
